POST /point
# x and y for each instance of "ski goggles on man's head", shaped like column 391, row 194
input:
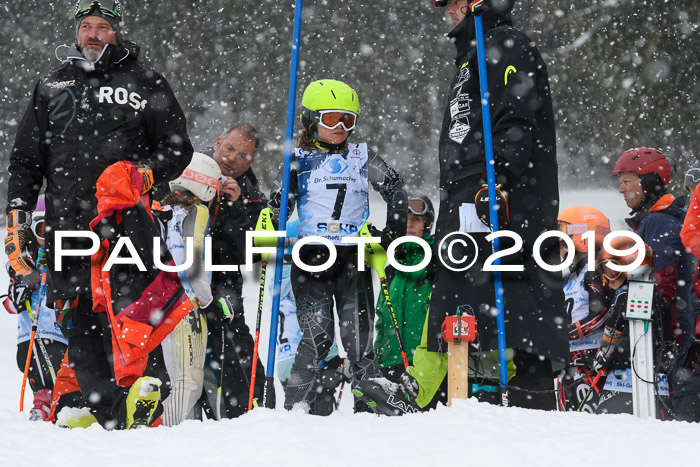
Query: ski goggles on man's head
column 443, row 3
column 112, row 8
column 417, row 206
column 331, row 119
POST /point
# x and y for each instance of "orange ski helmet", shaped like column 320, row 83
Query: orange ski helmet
column 621, row 243
column 577, row 220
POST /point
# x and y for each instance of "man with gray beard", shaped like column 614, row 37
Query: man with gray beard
column 100, row 107
column 94, row 33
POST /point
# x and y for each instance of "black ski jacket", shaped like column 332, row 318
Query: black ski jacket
column 83, row 117
column 230, row 220
column 522, row 118
column 524, row 146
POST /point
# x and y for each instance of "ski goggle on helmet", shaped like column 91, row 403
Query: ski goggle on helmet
column 444, row 3
column 577, row 220
column 329, row 103
column 626, row 244
column 38, row 223
column 417, row 206
column 332, row 119
column 112, row 8
column 202, row 178
column 608, row 274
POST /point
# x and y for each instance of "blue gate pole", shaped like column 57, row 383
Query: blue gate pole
column 493, row 207
column 268, row 399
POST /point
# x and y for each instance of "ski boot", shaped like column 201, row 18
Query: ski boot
column 42, row 405
column 142, row 402
column 385, row 397
column 70, row 417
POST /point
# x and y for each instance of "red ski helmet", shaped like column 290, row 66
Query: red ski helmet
column 644, row 161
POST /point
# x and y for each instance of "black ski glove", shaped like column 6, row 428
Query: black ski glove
column 481, row 202
column 582, row 360
column 19, row 292
column 606, row 352
column 409, row 384
column 219, row 309
column 384, row 235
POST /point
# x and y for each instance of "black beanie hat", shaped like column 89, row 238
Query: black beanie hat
column 116, row 23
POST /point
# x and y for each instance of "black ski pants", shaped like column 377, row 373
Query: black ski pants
column 237, row 365
column 39, row 374
column 354, row 303
column 90, row 356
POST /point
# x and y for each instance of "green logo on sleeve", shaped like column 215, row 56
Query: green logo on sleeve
column 509, row 70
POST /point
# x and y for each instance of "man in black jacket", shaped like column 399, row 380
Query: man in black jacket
column 236, row 213
column 99, row 107
column 524, row 147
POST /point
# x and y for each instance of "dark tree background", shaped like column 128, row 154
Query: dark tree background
column 624, row 73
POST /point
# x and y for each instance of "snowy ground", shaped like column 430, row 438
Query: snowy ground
column 468, row 432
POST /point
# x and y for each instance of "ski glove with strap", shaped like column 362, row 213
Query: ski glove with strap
column 20, row 294
column 606, row 352
column 409, row 384
column 384, row 235
column 147, row 176
column 375, row 253
column 18, row 236
column 481, row 203
column 265, row 224
column 582, row 360
column 221, row 308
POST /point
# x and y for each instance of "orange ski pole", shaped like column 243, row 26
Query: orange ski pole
column 35, row 325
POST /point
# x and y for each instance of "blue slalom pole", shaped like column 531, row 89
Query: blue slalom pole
column 268, row 395
column 493, row 207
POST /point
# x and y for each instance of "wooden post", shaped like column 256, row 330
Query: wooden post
column 457, row 370
column 458, row 339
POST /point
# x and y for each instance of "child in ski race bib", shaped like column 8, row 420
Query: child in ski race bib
column 329, row 183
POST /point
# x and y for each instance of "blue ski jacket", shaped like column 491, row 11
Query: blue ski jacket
column 658, row 222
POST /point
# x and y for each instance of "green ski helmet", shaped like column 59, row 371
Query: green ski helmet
column 327, row 94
